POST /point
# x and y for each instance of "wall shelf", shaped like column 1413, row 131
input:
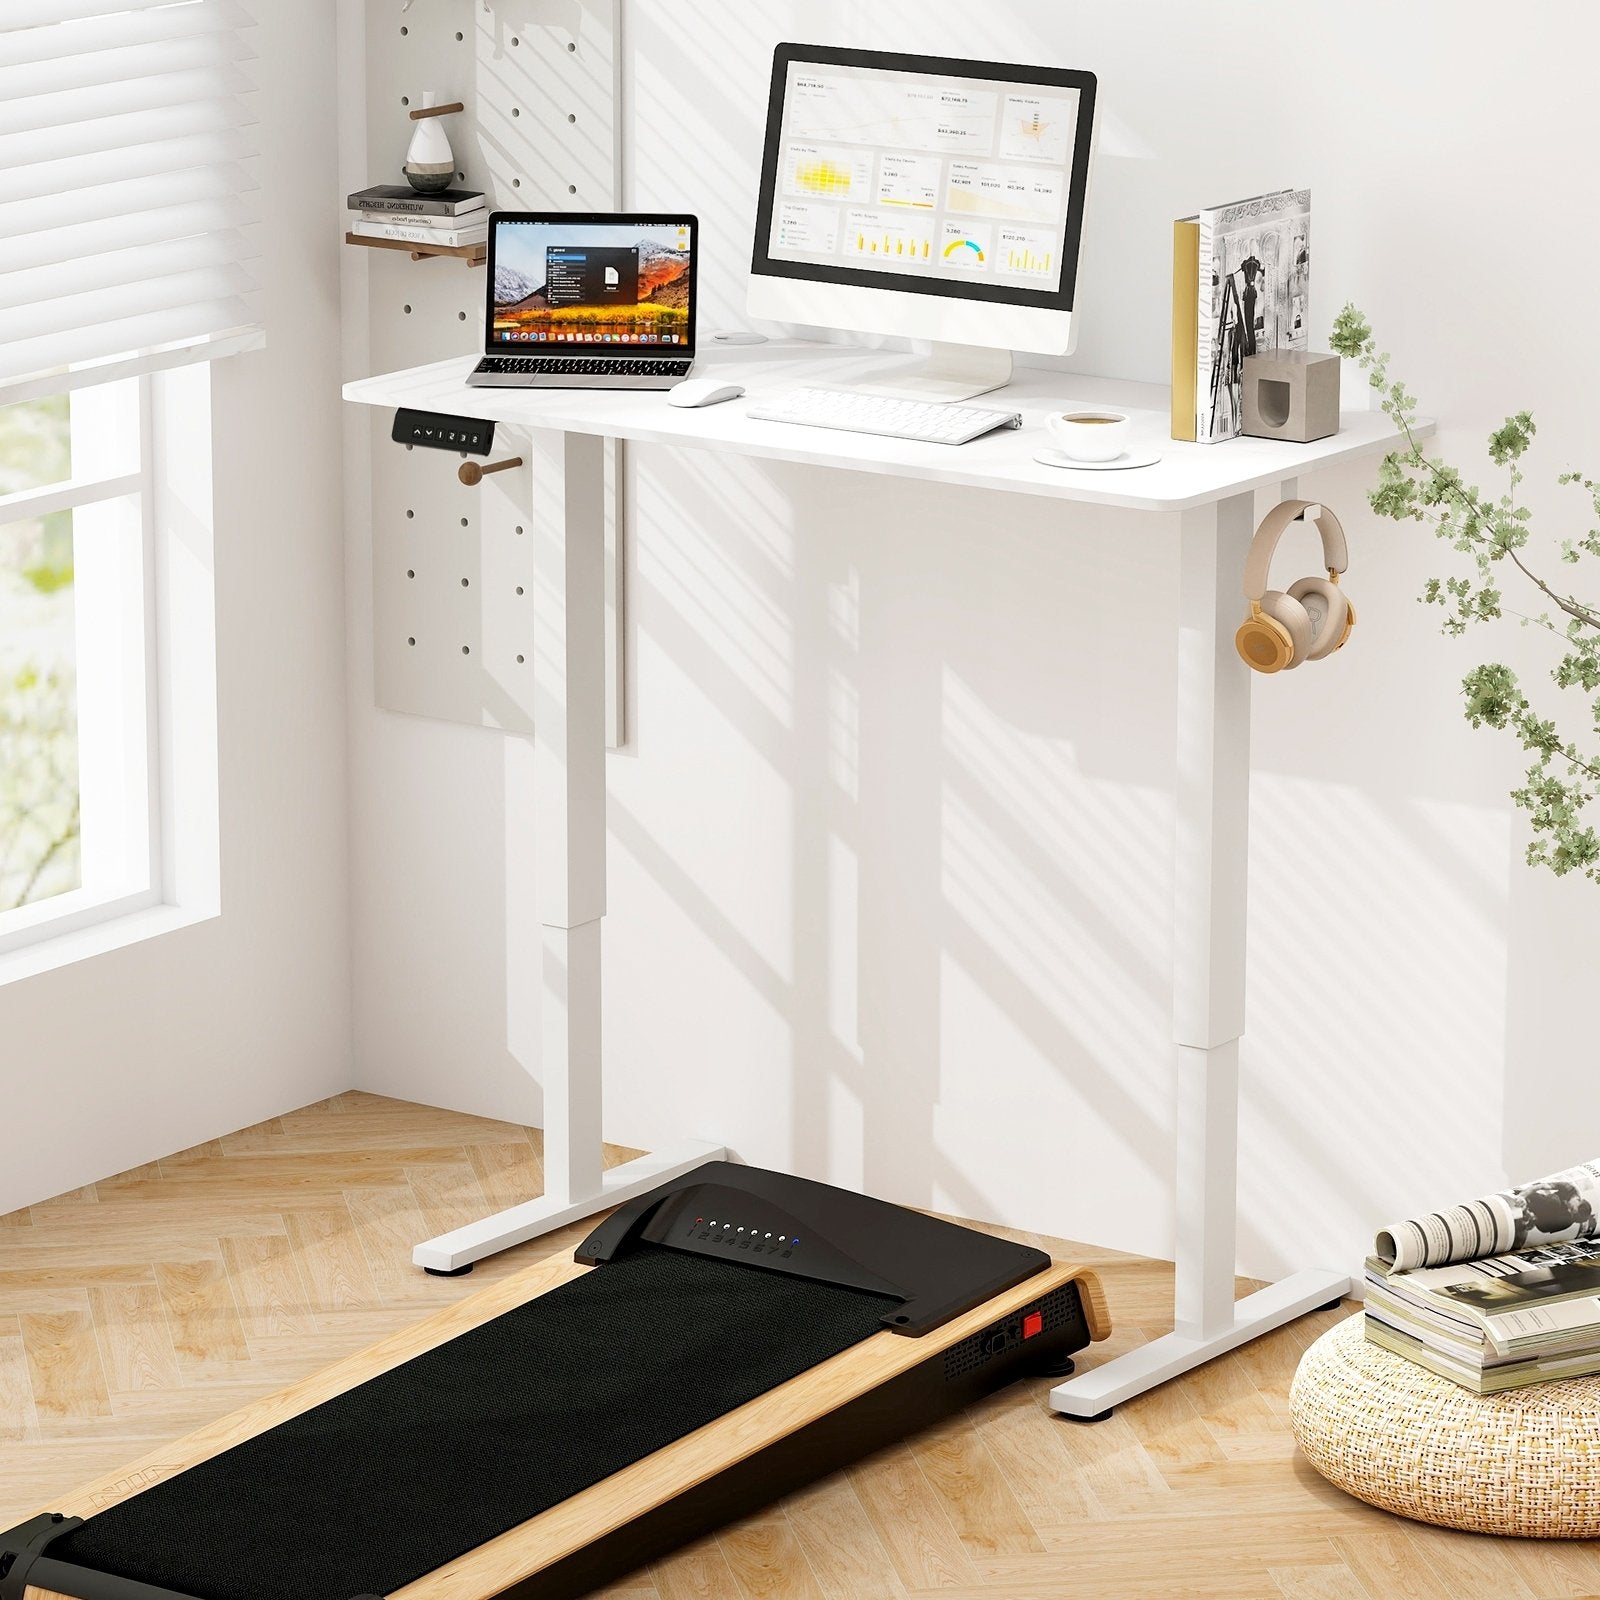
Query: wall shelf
column 473, row 254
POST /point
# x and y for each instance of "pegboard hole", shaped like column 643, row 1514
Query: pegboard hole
column 572, row 116
column 466, row 583
column 519, row 528
column 515, row 112
column 572, row 188
column 461, row 177
column 406, row 309
column 515, row 40
column 404, row 30
column 405, row 99
column 519, row 661
column 572, row 49
column 409, row 514
column 516, row 183
column 463, row 522
column 411, row 572
column 519, row 588
column 466, row 649
column 460, row 37
column 411, row 641
column 461, row 316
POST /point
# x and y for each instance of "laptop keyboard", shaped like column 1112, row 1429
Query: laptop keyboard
column 598, row 366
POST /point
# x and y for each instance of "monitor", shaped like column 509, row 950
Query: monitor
column 564, row 279
column 919, row 195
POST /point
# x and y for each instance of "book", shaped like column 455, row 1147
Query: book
column 402, row 198
column 1240, row 284
column 409, row 233
column 421, row 219
column 1494, row 1324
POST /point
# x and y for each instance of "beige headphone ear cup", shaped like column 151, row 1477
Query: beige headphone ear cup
column 1325, row 604
column 1287, row 611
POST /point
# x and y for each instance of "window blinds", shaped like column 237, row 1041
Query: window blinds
column 125, row 207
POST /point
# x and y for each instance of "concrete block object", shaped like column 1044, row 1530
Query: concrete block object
column 1291, row 394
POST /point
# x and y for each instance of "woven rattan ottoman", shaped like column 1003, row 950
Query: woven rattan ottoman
column 1394, row 1435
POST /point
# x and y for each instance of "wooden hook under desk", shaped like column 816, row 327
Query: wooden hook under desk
column 471, row 473
column 437, row 111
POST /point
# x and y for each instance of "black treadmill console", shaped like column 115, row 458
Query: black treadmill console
column 779, row 1223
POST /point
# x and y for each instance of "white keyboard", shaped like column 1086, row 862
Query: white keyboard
column 856, row 412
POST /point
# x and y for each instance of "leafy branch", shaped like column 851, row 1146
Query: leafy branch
column 1561, row 786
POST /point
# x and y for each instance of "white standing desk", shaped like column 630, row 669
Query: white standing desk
column 1207, row 487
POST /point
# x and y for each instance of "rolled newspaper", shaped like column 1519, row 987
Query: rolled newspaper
column 1566, row 1205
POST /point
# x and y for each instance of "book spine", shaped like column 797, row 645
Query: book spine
column 417, row 219
column 1207, row 336
column 409, row 234
column 1185, row 325
column 421, row 206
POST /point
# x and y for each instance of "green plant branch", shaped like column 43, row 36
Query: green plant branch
column 1560, row 790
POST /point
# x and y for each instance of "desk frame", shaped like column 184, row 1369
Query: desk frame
column 563, row 484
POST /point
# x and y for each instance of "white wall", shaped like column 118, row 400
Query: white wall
column 133, row 1054
column 890, row 854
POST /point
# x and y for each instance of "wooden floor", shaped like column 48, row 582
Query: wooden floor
column 137, row 1309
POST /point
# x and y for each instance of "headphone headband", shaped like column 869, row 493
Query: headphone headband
column 1259, row 562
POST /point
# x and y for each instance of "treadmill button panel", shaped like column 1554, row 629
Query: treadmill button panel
column 754, row 1240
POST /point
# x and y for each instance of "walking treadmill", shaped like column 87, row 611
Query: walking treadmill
column 716, row 1343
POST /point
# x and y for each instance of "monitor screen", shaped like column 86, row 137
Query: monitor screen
column 939, row 177
column 573, row 282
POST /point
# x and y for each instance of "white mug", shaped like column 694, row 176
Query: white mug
column 1090, row 433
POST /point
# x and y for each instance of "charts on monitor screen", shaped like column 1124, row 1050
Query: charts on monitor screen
column 966, row 180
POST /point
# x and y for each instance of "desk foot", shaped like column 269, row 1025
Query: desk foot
column 1092, row 1394
column 452, row 1253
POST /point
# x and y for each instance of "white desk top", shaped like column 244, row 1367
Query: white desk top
column 1187, row 474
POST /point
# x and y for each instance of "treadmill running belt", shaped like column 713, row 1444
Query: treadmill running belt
column 371, row 1490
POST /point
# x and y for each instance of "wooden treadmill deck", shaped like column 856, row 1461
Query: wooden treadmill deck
column 588, row 1516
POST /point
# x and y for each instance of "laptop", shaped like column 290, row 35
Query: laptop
column 596, row 300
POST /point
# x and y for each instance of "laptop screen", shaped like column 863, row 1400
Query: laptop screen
column 572, row 285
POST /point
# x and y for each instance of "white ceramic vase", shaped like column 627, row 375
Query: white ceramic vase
column 430, row 162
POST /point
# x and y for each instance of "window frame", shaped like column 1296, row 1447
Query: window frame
column 179, row 853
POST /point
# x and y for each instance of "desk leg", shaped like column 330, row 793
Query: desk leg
column 566, row 520
column 1210, row 895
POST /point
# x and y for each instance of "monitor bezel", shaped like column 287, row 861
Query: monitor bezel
column 569, row 219
column 1059, row 299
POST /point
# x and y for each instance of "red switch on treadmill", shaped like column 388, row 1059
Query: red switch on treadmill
column 1032, row 1323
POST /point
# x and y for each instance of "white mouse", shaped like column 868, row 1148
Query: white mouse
column 703, row 392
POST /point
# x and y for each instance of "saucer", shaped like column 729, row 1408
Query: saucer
column 1128, row 458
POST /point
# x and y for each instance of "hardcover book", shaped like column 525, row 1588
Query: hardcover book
column 1240, row 284
column 409, row 233
column 401, row 198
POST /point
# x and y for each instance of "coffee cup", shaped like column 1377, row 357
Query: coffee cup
column 1090, row 433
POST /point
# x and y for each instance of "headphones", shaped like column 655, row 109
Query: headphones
column 1312, row 617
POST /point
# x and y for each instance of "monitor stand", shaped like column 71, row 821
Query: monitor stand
column 947, row 372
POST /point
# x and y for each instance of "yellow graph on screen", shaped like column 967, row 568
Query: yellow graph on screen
column 1022, row 259
column 822, row 177
column 1033, row 129
column 868, row 244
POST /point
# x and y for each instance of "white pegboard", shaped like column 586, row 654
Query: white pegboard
column 452, row 633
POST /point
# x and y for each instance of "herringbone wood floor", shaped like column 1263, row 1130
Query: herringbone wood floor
column 137, row 1309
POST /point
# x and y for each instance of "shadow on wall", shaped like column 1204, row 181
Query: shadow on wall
column 936, row 878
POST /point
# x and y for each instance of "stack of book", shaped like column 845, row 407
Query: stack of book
column 1499, row 1323
column 1527, row 1312
column 449, row 219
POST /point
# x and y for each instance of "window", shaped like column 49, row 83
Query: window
column 75, row 714
column 126, row 136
